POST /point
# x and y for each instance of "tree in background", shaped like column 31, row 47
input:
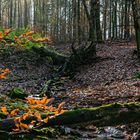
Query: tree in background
column 136, row 14
column 67, row 21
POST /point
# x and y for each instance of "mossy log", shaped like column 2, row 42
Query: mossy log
column 70, row 63
column 107, row 115
column 57, row 58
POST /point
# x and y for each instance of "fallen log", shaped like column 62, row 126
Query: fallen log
column 57, row 58
column 69, row 64
column 106, row 115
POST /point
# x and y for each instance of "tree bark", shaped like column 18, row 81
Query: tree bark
column 136, row 15
column 69, row 64
column 57, row 58
column 107, row 115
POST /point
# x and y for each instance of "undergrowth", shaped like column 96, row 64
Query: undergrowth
column 21, row 38
column 31, row 108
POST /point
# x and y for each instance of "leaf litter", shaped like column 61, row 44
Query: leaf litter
column 94, row 85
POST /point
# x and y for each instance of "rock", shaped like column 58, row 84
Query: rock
column 113, row 132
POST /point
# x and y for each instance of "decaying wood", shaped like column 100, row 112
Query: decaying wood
column 69, row 64
column 56, row 57
column 107, row 115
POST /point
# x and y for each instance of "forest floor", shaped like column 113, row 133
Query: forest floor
column 107, row 81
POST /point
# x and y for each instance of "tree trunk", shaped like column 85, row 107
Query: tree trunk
column 136, row 15
column 56, row 57
column 107, row 115
column 69, row 64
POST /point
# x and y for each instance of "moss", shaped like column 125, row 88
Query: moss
column 2, row 98
column 56, row 57
column 136, row 75
column 106, row 115
column 18, row 93
column 2, row 115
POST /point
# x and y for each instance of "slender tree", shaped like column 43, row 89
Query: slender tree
column 136, row 14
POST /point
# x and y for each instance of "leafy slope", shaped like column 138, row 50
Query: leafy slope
column 101, row 83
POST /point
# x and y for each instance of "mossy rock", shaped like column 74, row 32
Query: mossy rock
column 18, row 93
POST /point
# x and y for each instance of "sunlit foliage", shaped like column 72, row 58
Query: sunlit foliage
column 24, row 38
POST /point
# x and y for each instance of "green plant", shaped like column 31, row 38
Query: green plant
column 136, row 75
column 23, row 38
column 18, row 93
